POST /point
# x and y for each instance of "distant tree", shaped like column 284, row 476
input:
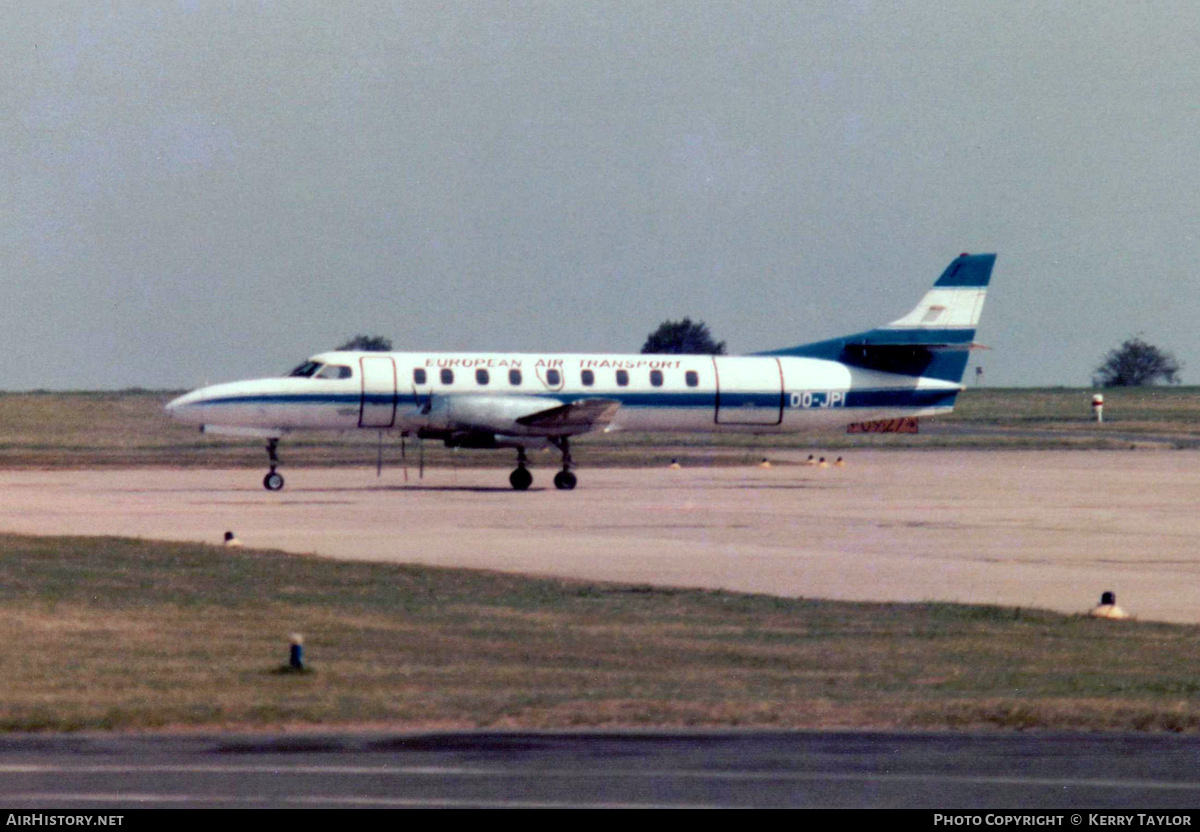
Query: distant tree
column 368, row 343
column 683, row 337
column 1137, row 364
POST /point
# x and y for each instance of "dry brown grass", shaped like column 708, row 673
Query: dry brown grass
column 122, row 634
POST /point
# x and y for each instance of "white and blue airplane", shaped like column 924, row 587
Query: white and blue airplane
column 910, row 368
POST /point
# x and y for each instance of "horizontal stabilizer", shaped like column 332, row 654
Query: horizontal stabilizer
column 930, row 347
column 895, row 339
column 576, row 417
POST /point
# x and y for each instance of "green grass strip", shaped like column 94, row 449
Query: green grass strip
column 136, row 635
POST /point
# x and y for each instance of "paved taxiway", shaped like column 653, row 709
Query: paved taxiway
column 1048, row 529
column 941, row 772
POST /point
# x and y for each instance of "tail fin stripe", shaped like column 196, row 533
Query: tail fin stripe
column 970, row 271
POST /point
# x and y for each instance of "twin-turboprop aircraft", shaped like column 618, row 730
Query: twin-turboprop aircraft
column 912, row 367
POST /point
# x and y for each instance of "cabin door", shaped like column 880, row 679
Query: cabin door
column 378, row 392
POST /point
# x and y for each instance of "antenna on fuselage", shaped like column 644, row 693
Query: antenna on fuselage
column 424, row 408
column 421, row 456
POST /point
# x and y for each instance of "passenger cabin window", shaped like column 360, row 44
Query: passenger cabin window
column 622, row 378
column 656, row 378
column 514, row 378
column 553, row 378
column 588, row 378
column 693, row 378
column 418, row 375
column 447, row 376
column 335, row 371
column 306, row 370
column 481, row 376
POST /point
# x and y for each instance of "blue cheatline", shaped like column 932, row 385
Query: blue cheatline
column 884, row 397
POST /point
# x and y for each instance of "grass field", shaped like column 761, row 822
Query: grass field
column 124, row 634
column 121, row 634
column 130, row 429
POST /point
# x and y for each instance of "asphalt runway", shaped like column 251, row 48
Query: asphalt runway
column 1049, row 529
column 939, row 772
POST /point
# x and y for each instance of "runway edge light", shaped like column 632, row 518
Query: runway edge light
column 296, row 652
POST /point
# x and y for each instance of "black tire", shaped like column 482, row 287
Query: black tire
column 273, row 481
column 520, row 479
column 564, row 480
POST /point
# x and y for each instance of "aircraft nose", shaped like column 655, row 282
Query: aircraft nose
column 187, row 407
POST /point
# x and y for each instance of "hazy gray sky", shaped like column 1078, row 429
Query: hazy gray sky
column 201, row 191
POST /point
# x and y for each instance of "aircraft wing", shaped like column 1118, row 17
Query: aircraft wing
column 576, row 417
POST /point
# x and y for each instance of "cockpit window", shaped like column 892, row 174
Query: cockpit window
column 306, row 370
column 335, row 371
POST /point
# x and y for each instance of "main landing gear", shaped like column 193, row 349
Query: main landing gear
column 564, row 480
column 273, row 481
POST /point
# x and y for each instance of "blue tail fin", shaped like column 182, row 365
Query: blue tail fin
column 932, row 340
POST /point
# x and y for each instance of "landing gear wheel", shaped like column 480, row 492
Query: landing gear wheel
column 564, row 480
column 273, row 481
column 521, row 479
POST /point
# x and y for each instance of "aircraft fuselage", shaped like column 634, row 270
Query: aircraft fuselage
column 910, row 367
column 411, row 392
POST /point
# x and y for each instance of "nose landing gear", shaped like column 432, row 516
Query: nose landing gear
column 273, row 481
